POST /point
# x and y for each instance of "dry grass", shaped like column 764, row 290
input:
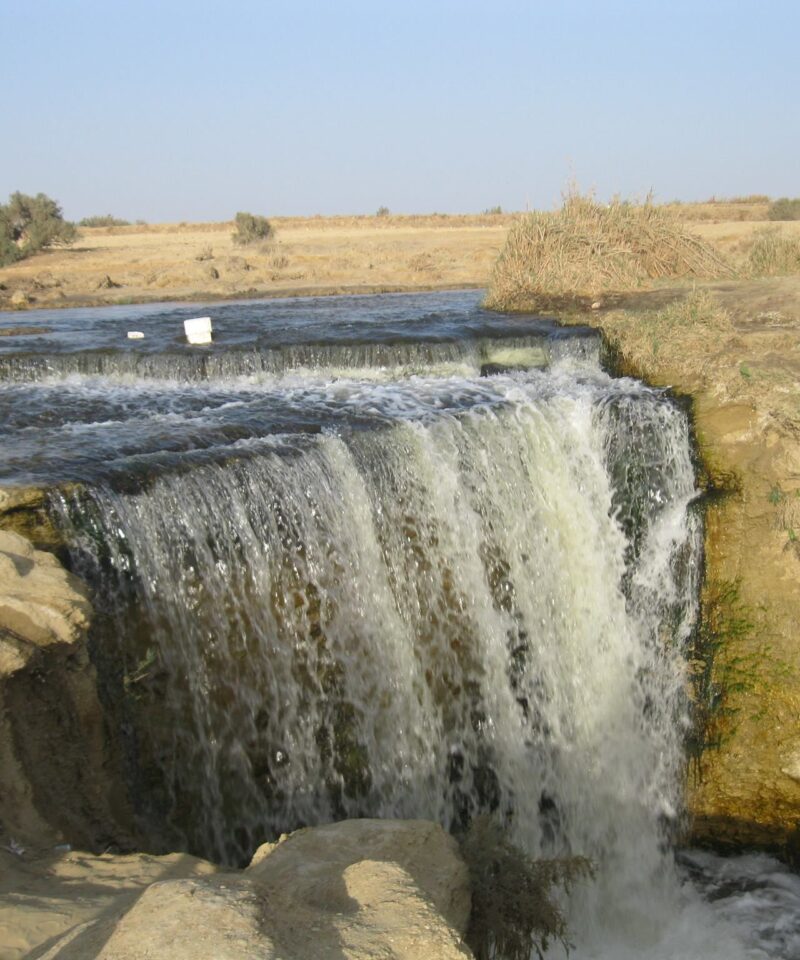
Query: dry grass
column 694, row 324
column 587, row 248
column 715, row 210
column 773, row 253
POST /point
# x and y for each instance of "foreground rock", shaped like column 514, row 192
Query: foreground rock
column 358, row 889
column 55, row 783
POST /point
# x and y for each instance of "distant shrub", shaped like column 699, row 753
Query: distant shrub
column 513, row 913
column 103, row 220
column 773, row 254
column 784, row 209
column 251, row 228
column 382, row 212
column 29, row 224
column 491, row 211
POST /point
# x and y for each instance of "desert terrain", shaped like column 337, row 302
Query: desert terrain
column 138, row 264
column 305, row 256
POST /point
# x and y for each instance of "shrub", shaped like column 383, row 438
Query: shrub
column 251, row 228
column 29, row 224
column 492, row 211
column 513, row 913
column 773, row 254
column 784, row 209
column 103, row 220
column 587, row 248
column 382, row 212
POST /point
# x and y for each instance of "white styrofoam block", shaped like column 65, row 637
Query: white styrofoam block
column 198, row 330
column 135, row 335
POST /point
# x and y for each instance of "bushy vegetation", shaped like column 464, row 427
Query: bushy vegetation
column 784, row 209
column 587, row 248
column 103, row 220
column 251, row 228
column 773, row 254
column 29, row 224
column 382, row 212
column 513, row 911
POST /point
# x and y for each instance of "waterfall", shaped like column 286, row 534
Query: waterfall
column 481, row 609
column 392, row 579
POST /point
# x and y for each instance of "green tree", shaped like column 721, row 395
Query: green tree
column 29, row 224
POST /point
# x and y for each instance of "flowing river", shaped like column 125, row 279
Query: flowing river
column 392, row 556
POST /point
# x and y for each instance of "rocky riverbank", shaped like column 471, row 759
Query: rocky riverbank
column 733, row 348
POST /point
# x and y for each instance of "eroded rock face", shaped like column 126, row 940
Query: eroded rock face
column 742, row 371
column 54, row 784
column 389, row 889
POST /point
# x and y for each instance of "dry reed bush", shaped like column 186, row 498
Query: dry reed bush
column 514, row 914
column 773, row 254
column 587, row 248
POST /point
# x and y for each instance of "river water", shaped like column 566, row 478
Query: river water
column 392, row 556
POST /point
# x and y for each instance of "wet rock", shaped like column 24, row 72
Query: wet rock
column 55, row 776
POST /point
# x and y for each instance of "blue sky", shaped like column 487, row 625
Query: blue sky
column 194, row 110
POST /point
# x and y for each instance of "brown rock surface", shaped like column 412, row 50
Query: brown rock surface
column 53, row 759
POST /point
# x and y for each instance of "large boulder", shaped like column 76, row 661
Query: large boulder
column 354, row 885
column 388, row 889
column 55, row 783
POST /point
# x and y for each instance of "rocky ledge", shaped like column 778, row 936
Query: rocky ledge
column 390, row 889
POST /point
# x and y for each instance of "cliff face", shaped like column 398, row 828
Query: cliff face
column 53, row 756
column 735, row 350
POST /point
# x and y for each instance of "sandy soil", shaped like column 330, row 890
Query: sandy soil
column 201, row 262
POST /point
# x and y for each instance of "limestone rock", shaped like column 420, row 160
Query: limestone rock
column 55, row 778
column 213, row 918
column 307, row 861
column 356, row 890
column 40, row 603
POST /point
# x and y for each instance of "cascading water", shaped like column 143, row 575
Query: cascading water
column 353, row 577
